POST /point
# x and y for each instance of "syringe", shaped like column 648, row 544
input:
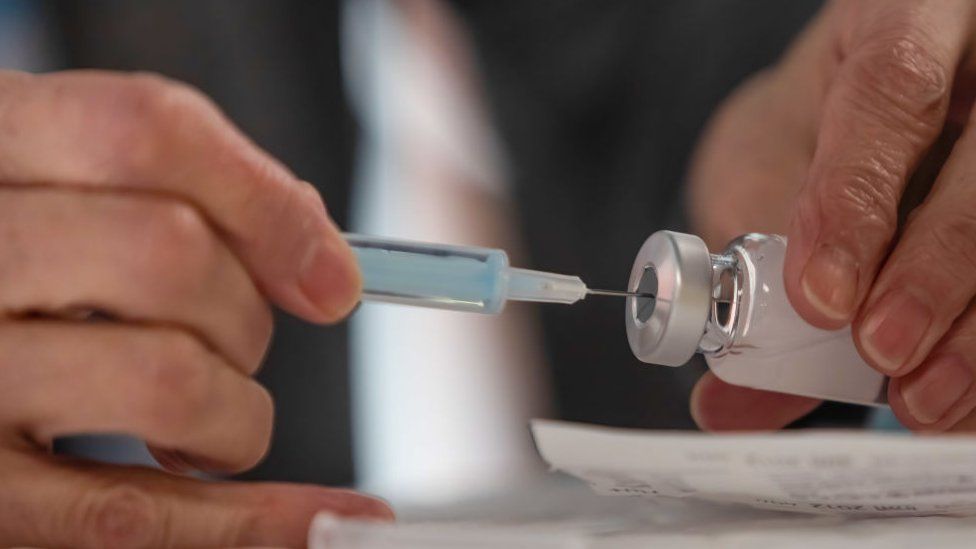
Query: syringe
column 460, row 278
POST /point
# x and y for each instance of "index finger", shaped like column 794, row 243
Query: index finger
column 145, row 133
column 63, row 503
column 885, row 107
column 720, row 406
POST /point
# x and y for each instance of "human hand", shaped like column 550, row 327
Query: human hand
column 140, row 238
column 857, row 122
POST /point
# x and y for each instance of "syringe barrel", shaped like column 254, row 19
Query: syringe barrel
column 459, row 278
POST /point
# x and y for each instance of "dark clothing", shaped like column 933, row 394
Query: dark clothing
column 598, row 103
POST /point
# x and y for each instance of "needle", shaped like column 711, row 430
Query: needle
column 618, row 293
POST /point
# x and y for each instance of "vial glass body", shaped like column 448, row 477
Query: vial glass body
column 754, row 338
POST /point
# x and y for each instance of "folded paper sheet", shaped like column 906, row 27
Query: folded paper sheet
column 825, row 472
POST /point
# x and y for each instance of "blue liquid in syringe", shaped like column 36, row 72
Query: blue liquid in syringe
column 460, row 278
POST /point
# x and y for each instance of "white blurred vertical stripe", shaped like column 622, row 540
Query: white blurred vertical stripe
column 441, row 399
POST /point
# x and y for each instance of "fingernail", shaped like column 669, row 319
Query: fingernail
column 829, row 281
column 930, row 394
column 355, row 504
column 893, row 329
column 376, row 509
column 330, row 278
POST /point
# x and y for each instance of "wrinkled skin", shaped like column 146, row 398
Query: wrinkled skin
column 867, row 115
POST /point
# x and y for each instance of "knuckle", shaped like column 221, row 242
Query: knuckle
column 953, row 242
column 179, row 382
column 903, row 73
column 166, row 101
column 864, row 195
column 260, row 330
column 181, row 226
column 153, row 107
column 175, row 245
column 261, row 422
column 120, row 516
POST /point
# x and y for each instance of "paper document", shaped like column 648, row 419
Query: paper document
column 557, row 513
column 826, row 472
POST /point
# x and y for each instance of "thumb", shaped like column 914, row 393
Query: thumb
column 51, row 502
column 885, row 106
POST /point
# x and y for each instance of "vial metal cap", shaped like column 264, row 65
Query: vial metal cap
column 677, row 269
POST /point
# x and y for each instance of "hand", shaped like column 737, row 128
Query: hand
column 867, row 113
column 140, row 235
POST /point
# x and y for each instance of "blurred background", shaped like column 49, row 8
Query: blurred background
column 559, row 130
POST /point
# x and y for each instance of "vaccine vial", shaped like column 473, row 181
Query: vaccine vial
column 732, row 308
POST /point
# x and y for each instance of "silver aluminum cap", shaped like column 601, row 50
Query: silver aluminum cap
column 677, row 269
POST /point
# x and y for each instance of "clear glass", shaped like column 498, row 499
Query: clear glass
column 754, row 338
